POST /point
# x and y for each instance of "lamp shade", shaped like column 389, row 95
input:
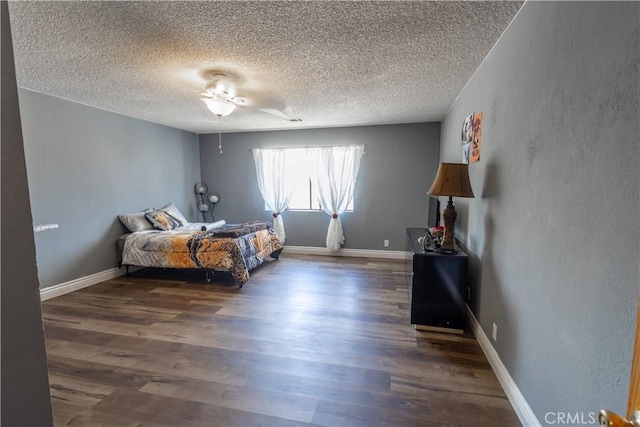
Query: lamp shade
column 452, row 179
column 219, row 106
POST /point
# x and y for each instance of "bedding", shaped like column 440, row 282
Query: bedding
column 238, row 230
column 235, row 248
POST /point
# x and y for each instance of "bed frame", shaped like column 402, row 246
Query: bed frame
column 209, row 273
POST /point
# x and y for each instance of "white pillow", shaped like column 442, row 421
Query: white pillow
column 172, row 210
column 136, row 221
column 216, row 224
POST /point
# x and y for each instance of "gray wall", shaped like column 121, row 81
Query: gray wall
column 553, row 229
column 396, row 171
column 85, row 167
column 25, row 386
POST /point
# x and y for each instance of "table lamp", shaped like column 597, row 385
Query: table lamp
column 451, row 180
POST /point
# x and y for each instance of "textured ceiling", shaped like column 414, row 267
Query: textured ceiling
column 327, row 63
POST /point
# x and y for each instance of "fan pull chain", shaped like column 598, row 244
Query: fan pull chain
column 219, row 137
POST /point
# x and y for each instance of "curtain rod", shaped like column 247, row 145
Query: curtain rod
column 311, row 146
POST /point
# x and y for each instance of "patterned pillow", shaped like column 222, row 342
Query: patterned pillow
column 173, row 210
column 163, row 220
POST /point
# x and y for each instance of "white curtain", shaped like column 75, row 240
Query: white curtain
column 277, row 171
column 334, row 179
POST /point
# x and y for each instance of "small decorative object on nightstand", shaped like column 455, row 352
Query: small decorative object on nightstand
column 452, row 179
column 427, row 241
column 206, row 202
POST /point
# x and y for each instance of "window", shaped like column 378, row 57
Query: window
column 326, row 174
column 305, row 197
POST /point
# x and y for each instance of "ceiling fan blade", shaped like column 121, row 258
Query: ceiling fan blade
column 280, row 114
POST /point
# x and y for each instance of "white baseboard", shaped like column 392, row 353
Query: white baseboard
column 80, row 283
column 358, row 253
column 519, row 403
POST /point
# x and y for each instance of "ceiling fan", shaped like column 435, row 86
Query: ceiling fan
column 221, row 97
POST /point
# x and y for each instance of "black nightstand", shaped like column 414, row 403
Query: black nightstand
column 437, row 284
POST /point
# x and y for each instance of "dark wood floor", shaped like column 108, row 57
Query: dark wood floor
column 307, row 341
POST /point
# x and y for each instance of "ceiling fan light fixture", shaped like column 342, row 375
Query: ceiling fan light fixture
column 219, row 107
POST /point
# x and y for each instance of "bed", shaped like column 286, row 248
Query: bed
column 237, row 248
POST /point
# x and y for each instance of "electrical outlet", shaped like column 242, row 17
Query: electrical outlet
column 494, row 333
column 386, row 243
column 468, row 293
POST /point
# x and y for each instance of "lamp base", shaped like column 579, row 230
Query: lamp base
column 447, row 251
column 449, row 216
